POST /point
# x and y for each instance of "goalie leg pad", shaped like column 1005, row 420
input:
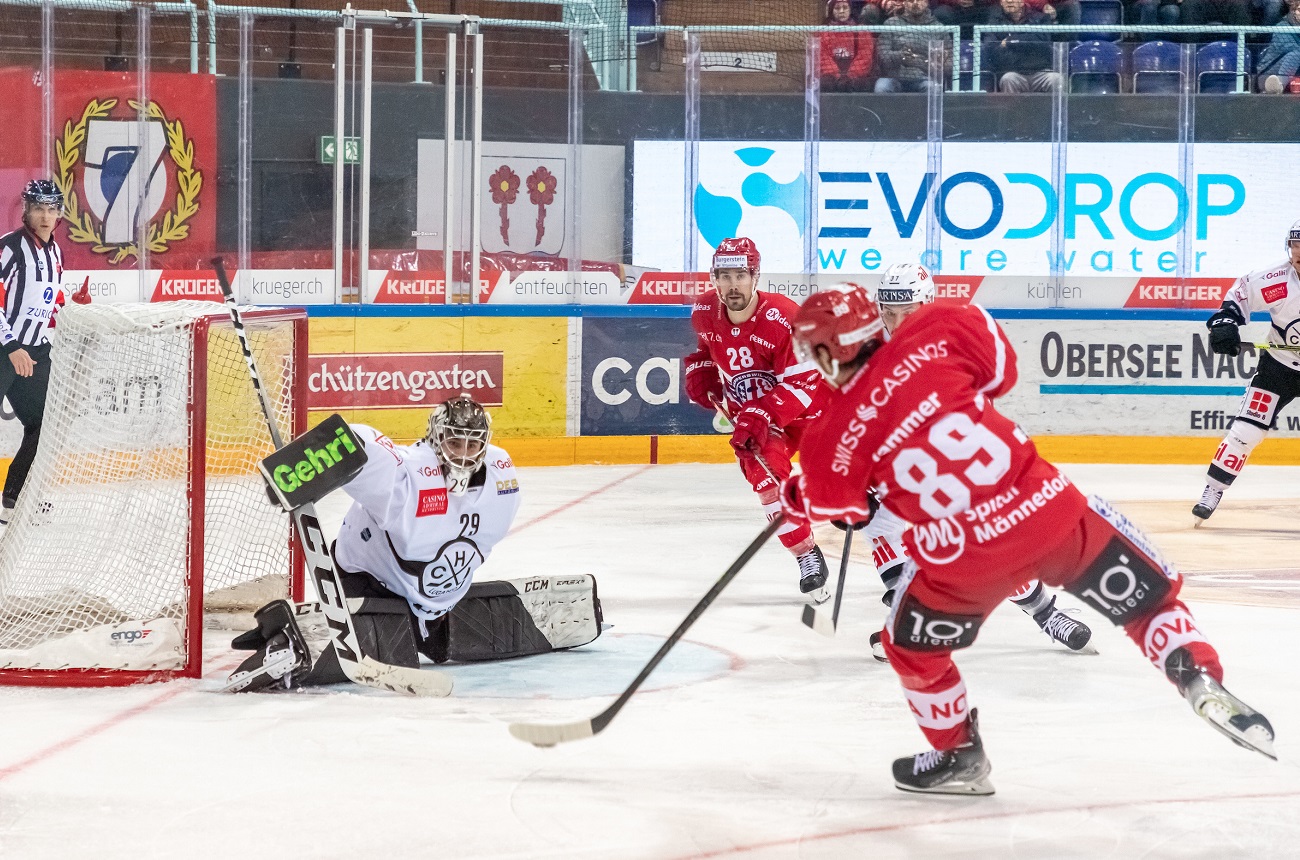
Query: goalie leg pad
column 385, row 632
column 519, row 617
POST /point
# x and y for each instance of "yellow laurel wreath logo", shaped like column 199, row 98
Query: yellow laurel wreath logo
column 84, row 228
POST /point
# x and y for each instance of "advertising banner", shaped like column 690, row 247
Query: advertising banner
column 1124, row 210
column 1107, row 377
column 632, row 378
column 104, row 156
column 529, row 194
column 389, row 372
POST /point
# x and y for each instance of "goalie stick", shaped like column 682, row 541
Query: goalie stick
column 548, row 735
column 357, row 666
column 818, row 620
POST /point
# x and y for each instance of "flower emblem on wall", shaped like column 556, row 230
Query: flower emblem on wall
column 504, row 184
column 541, row 191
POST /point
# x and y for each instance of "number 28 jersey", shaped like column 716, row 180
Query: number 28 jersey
column 918, row 424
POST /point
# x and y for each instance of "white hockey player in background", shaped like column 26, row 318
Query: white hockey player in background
column 904, row 289
column 1277, row 377
column 424, row 519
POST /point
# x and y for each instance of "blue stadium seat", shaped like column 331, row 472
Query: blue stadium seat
column 1216, row 68
column 643, row 13
column 1094, row 68
column 1156, row 67
column 1101, row 12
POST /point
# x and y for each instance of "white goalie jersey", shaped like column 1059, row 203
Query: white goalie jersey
column 407, row 531
column 1277, row 291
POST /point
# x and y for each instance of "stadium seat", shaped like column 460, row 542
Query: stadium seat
column 1101, row 12
column 1156, row 68
column 1094, row 68
column 1216, row 68
column 967, row 69
column 643, row 13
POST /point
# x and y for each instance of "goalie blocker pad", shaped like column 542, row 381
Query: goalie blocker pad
column 319, row 461
column 494, row 621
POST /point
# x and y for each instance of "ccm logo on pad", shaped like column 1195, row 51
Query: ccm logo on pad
column 432, row 502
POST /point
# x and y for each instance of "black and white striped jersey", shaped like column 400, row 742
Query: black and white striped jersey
column 32, row 274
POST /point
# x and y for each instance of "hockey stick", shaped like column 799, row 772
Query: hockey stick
column 818, row 620
column 1281, row 346
column 548, row 735
column 357, row 666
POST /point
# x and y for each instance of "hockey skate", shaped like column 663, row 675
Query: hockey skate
column 964, row 770
column 878, row 647
column 1074, row 635
column 1210, row 499
column 1243, row 725
column 813, row 575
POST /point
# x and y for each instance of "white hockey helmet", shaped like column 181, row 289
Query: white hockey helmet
column 1292, row 235
column 459, row 430
column 905, row 284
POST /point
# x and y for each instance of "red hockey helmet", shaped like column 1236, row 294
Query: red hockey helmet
column 738, row 253
column 843, row 321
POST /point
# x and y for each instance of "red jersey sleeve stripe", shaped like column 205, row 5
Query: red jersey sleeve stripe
column 999, row 352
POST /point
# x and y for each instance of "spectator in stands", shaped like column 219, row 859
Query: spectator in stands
column 1061, row 11
column 1280, row 59
column 878, row 11
column 1234, row 13
column 905, row 56
column 1021, row 61
column 845, row 57
column 962, row 13
column 1148, row 13
column 1269, row 12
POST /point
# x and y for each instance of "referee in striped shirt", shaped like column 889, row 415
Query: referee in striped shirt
column 31, row 270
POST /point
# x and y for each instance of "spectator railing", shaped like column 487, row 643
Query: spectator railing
column 1142, row 29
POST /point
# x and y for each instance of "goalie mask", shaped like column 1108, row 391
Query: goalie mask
column 459, row 430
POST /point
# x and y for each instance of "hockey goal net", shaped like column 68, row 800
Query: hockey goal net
column 144, row 509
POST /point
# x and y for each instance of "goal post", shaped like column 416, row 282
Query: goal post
column 144, row 517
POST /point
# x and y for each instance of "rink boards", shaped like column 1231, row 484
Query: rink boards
column 573, row 384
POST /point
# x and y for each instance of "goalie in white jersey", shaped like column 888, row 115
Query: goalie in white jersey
column 1277, row 377
column 423, row 521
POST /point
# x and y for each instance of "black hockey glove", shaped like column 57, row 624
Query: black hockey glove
column 1224, row 337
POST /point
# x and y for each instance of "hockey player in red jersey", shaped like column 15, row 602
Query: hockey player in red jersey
column 745, row 367
column 904, row 289
column 913, row 417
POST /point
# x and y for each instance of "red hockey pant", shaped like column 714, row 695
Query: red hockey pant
column 950, row 597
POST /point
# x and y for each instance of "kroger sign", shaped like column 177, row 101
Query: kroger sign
column 1121, row 209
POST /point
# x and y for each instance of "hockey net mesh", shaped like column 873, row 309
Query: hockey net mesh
column 95, row 565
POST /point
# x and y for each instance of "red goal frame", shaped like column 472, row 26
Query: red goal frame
column 198, row 426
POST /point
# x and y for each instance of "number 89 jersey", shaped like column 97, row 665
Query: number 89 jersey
column 918, row 423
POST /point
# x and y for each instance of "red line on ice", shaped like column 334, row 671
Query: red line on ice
column 99, row 728
column 569, row 504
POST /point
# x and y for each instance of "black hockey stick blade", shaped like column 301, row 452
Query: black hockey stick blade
column 550, row 734
column 818, row 620
column 359, row 668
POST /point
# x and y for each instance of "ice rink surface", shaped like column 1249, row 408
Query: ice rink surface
column 757, row 738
